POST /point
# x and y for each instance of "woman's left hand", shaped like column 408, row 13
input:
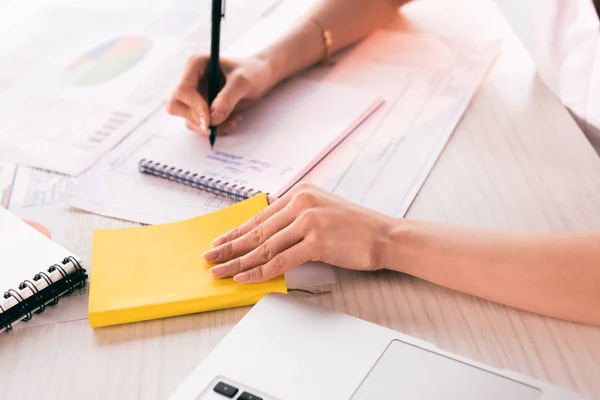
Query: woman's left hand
column 306, row 224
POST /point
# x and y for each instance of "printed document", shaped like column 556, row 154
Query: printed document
column 280, row 140
column 78, row 76
column 427, row 83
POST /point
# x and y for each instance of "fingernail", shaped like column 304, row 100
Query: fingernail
column 218, row 271
column 211, row 255
column 243, row 277
column 203, row 124
column 218, row 241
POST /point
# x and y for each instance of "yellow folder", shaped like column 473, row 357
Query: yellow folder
column 158, row 271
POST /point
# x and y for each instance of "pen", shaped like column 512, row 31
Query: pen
column 214, row 70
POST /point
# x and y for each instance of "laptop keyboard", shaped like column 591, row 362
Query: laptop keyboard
column 229, row 392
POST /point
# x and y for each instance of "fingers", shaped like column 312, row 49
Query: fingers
column 272, row 242
column 177, row 108
column 278, row 265
column 227, row 127
column 185, row 101
column 196, row 128
column 254, row 222
column 262, row 254
column 230, row 125
column 194, row 71
column 250, row 240
column 235, row 89
column 271, row 199
column 299, row 198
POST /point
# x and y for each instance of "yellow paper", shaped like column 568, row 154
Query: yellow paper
column 158, row 271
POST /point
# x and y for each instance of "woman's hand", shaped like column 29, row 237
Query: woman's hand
column 306, row 224
column 245, row 81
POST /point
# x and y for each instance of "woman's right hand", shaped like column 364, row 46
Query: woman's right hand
column 246, row 81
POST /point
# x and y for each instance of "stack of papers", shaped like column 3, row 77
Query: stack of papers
column 381, row 165
column 78, row 77
column 101, row 111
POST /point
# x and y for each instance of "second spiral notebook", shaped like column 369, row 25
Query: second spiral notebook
column 158, row 271
column 277, row 142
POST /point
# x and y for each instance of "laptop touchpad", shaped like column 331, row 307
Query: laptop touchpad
column 410, row 372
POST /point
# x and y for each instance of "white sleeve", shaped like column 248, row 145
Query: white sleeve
column 566, row 40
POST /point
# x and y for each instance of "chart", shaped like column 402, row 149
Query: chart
column 107, row 61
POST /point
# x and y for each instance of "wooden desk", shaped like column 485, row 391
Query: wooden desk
column 517, row 160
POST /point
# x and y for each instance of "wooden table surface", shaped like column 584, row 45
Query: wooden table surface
column 517, row 160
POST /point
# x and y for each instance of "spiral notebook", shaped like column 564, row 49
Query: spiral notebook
column 278, row 141
column 35, row 272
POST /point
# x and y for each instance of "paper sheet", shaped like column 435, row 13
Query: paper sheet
column 302, row 119
column 77, row 77
column 116, row 188
column 427, row 83
column 36, row 196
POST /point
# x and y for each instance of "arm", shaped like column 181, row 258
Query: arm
column 249, row 79
column 546, row 273
column 552, row 274
column 348, row 21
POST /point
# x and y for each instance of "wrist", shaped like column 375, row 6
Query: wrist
column 398, row 244
column 297, row 51
column 273, row 65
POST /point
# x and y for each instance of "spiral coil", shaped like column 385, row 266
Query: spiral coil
column 15, row 295
column 201, row 182
column 38, row 299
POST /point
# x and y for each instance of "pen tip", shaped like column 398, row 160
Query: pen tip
column 212, row 136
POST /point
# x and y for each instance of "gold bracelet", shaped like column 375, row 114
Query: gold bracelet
column 327, row 42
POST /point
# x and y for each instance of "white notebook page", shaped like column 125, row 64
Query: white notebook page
column 24, row 252
column 278, row 140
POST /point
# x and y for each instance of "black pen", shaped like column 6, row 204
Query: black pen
column 214, row 69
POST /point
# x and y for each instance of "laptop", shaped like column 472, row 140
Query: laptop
column 286, row 348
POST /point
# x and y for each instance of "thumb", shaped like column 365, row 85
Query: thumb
column 235, row 89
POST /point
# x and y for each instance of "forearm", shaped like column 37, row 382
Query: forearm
column 347, row 20
column 551, row 274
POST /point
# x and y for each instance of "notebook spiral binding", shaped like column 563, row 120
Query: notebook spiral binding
column 37, row 300
column 202, row 182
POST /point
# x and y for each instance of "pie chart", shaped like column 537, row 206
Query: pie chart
column 107, row 61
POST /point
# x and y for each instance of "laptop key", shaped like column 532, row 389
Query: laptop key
column 248, row 396
column 225, row 389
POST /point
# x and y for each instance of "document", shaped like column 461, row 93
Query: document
column 381, row 165
column 427, row 82
column 281, row 139
column 79, row 76
column 36, row 196
column 115, row 187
